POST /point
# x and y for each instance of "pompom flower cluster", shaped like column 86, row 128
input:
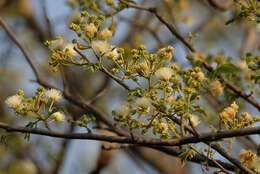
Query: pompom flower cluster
column 35, row 107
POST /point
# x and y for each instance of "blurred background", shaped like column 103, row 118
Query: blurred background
column 35, row 21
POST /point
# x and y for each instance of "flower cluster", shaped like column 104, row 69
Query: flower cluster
column 249, row 159
column 168, row 86
column 232, row 120
column 229, row 112
column 35, row 107
column 216, row 88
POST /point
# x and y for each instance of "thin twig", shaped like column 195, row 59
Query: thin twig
column 23, row 49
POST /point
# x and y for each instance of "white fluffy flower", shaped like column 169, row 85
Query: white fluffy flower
column 53, row 94
column 113, row 54
column 75, row 17
column 70, row 49
column 23, row 166
column 29, row 167
column 14, row 101
column 242, row 65
column 91, row 30
column 163, row 127
column 256, row 164
column 106, row 33
column 58, row 116
column 195, row 120
column 143, row 102
column 101, row 47
column 144, row 66
column 164, row 73
column 200, row 76
column 122, row 110
column 58, row 43
column 216, row 88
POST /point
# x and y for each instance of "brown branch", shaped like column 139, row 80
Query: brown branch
column 125, row 140
column 22, row 48
column 104, row 70
column 101, row 91
column 144, row 26
column 161, row 19
column 205, row 137
column 218, row 148
column 197, row 158
column 223, row 6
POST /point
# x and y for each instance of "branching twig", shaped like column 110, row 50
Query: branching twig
column 230, row 85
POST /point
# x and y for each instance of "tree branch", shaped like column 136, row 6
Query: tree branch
column 205, row 137
column 223, row 6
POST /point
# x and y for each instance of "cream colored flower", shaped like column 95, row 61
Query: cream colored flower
column 57, row 44
column 163, row 127
column 246, row 116
column 53, row 94
column 199, row 56
column 58, row 116
column 122, row 110
column 29, row 166
column 69, row 48
column 216, row 88
column 256, row 165
column 228, row 112
column 14, row 101
column 143, row 102
column 101, row 47
column 194, row 120
column 75, row 17
column 23, row 167
column 242, row 65
column 170, row 99
column 243, row 155
column 113, row 54
column 164, row 73
column 91, row 30
column 234, row 106
column 106, row 33
column 163, row 54
column 247, row 157
column 200, row 76
column 144, row 66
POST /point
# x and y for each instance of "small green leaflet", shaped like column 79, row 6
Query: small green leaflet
column 93, row 66
column 226, row 68
column 136, row 92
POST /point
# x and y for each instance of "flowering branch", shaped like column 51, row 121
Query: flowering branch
column 189, row 45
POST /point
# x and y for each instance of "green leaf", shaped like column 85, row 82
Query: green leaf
column 93, row 66
column 193, row 97
column 136, row 92
column 234, row 19
column 227, row 68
